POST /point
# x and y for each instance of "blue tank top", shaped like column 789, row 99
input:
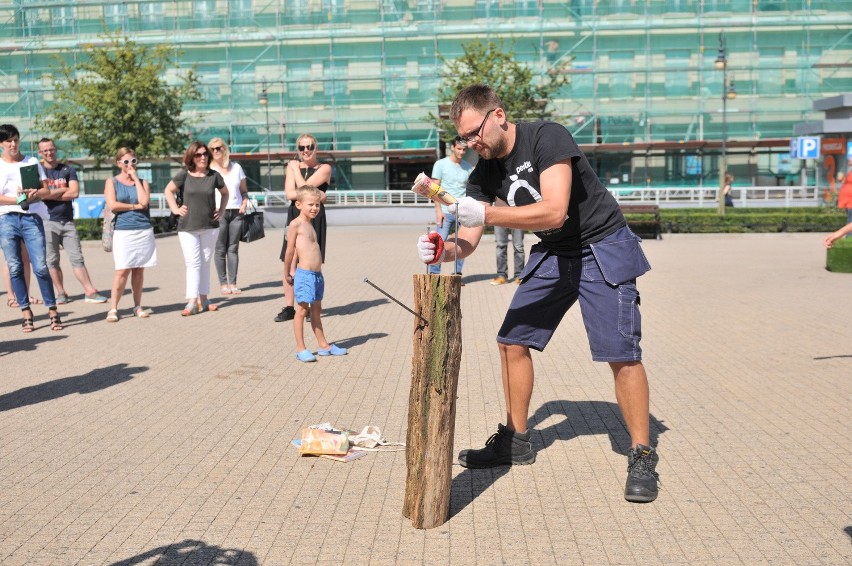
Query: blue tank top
column 129, row 219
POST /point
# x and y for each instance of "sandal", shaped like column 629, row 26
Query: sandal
column 27, row 326
column 226, row 290
column 35, row 301
column 208, row 306
column 112, row 315
column 236, row 291
column 190, row 309
column 55, row 321
column 140, row 312
column 12, row 302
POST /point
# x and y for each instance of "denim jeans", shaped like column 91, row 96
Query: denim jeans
column 501, row 235
column 449, row 224
column 27, row 229
column 228, row 246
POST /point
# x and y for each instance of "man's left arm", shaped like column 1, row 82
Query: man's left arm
column 549, row 213
column 69, row 192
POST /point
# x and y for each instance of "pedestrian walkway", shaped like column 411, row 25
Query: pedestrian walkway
column 167, row 440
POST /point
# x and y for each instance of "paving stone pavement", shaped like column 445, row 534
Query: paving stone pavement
column 167, row 440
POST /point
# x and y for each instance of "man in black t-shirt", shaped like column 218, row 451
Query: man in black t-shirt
column 59, row 229
column 586, row 253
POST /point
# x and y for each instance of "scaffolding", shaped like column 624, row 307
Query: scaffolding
column 361, row 75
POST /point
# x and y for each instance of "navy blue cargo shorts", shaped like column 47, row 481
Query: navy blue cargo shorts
column 603, row 276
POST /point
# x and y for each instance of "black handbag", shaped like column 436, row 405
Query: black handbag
column 172, row 222
column 252, row 224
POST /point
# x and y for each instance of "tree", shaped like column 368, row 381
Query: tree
column 117, row 96
column 525, row 93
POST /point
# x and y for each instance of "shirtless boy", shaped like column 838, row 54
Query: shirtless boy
column 308, row 282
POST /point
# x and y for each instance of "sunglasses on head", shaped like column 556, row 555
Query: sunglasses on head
column 218, row 148
column 202, row 154
column 309, row 147
column 133, row 161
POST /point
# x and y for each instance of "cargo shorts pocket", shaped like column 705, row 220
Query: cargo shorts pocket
column 620, row 257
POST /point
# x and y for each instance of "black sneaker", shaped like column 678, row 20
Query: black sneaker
column 505, row 448
column 641, row 474
column 287, row 313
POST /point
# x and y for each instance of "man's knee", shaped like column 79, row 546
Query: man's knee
column 627, row 370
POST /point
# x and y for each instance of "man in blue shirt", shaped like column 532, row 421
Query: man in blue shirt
column 59, row 230
column 451, row 173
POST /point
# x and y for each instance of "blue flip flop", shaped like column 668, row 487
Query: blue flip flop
column 333, row 351
column 306, row 356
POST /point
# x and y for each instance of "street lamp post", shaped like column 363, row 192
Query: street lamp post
column 728, row 92
column 264, row 101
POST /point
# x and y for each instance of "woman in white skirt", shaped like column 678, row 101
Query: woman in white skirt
column 133, row 247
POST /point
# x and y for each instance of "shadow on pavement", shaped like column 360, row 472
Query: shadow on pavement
column 358, row 340
column 90, row 382
column 577, row 418
column 583, row 418
column 28, row 345
column 352, row 308
column 191, row 552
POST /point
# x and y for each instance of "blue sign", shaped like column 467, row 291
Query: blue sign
column 89, row 207
column 849, row 151
column 804, row 148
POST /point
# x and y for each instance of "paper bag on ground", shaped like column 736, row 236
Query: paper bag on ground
column 319, row 441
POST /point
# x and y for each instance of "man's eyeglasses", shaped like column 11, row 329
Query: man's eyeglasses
column 133, row 161
column 49, row 150
column 309, row 147
column 201, row 154
column 217, row 149
column 477, row 135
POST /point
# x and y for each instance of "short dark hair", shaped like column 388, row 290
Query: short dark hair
column 45, row 140
column 479, row 97
column 8, row 131
column 459, row 141
column 189, row 156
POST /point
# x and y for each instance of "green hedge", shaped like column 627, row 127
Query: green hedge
column 674, row 221
column 744, row 220
column 838, row 257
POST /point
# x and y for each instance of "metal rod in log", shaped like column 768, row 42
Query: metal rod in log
column 432, row 400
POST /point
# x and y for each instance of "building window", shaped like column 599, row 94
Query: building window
column 115, row 14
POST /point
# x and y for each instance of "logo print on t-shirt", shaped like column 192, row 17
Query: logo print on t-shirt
column 518, row 183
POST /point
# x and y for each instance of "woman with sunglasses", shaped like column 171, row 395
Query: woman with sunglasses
column 198, row 225
column 303, row 170
column 231, row 224
column 133, row 246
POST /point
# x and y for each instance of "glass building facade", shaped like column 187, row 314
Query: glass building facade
column 644, row 97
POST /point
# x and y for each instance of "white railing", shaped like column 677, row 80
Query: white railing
column 708, row 196
column 668, row 196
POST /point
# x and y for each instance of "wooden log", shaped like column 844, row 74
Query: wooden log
column 432, row 400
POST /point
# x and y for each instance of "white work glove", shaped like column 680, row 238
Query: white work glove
column 469, row 212
column 429, row 246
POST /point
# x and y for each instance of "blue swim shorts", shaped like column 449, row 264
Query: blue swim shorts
column 309, row 286
column 603, row 277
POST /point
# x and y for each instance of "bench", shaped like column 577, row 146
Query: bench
column 644, row 220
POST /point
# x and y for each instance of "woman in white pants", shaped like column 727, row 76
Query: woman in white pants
column 191, row 196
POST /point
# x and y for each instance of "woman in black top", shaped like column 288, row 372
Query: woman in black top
column 305, row 170
column 198, row 225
